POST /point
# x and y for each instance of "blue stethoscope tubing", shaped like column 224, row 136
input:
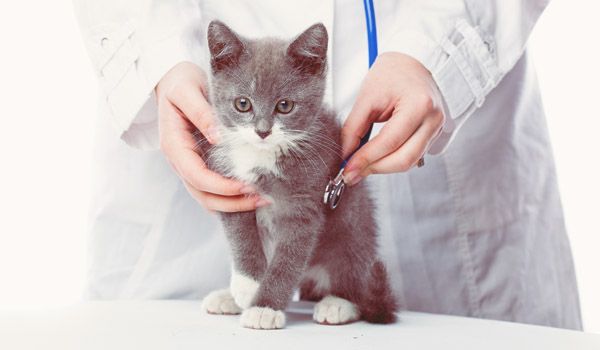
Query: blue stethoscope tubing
column 373, row 51
column 335, row 187
column 371, row 30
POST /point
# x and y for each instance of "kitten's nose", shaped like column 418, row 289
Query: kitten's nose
column 263, row 134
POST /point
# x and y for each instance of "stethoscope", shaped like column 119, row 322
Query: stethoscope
column 335, row 188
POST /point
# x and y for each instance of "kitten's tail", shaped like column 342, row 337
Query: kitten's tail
column 378, row 303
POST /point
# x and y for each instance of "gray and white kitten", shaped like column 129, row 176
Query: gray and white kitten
column 278, row 135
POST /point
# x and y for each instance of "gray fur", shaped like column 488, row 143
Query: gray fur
column 306, row 232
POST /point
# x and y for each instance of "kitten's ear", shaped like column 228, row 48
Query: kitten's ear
column 225, row 46
column 309, row 50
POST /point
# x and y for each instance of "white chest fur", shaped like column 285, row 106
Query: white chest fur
column 247, row 155
column 247, row 161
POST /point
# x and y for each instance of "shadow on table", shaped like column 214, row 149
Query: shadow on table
column 299, row 312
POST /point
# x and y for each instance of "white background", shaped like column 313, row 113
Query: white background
column 47, row 104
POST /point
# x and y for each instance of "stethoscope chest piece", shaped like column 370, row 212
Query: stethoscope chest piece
column 334, row 190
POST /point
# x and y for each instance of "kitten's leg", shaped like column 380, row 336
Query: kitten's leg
column 308, row 291
column 316, row 282
column 296, row 241
column 249, row 262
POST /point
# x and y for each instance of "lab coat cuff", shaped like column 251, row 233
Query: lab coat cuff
column 462, row 64
column 131, row 98
column 465, row 73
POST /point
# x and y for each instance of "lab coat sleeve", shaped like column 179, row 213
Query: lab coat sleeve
column 468, row 46
column 132, row 44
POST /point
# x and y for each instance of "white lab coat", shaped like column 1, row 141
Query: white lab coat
column 478, row 231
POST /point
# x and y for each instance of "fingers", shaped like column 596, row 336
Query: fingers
column 192, row 169
column 395, row 132
column 225, row 204
column 405, row 157
column 178, row 145
column 192, row 103
column 402, row 158
column 213, row 191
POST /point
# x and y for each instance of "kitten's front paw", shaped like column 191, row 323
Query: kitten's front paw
column 333, row 310
column 262, row 318
column 220, row 302
column 243, row 289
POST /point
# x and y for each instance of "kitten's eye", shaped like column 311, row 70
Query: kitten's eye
column 284, row 106
column 242, row 104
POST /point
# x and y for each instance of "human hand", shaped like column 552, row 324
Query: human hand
column 183, row 110
column 400, row 91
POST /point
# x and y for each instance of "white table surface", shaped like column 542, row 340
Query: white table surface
column 153, row 325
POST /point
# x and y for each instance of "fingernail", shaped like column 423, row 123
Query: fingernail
column 351, row 167
column 262, row 202
column 247, row 189
column 356, row 180
column 213, row 135
column 351, row 177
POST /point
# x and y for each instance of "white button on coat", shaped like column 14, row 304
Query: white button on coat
column 478, row 231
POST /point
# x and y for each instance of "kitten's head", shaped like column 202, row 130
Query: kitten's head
column 267, row 92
